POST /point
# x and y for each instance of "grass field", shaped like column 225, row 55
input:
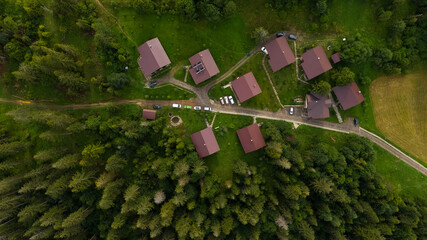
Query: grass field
column 400, row 109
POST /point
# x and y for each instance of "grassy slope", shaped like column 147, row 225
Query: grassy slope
column 401, row 177
column 227, row 41
column 400, row 111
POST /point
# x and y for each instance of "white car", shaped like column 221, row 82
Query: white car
column 197, row 108
column 231, row 99
column 207, row 109
column 175, row 105
column 221, row 100
column 291, row 111
column 264, row 50
column 226, row 99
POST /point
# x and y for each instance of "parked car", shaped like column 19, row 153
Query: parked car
column 281, row 34
column 226, row 100
column 187, row 107
column 175, row 105
column 264, row 50
column 157, row 106
column 207, row 108
column 292, row 37
column 356, row 122
column 152, row 84
column 197, row 108
column 231, row 99
column 221, row 100
column 291, row 111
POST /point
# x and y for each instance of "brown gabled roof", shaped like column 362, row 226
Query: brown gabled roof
column 251, row 138
column 203, row 66
column 315, row 62
column 246, row 87
column 205, row 142
column 317, row 105
column 153, row 56
column 280, row 54
column 149, row 114
column 336, row 57
column 348, row 95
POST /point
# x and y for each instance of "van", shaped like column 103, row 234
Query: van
column 175, row 105
column 231, row 99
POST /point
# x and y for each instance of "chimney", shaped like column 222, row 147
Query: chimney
column 318, row 58
column 252, row 140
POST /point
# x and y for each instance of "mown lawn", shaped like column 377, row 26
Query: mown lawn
column 266, row 100
column 399, row 105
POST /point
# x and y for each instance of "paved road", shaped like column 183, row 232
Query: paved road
column 346, row 127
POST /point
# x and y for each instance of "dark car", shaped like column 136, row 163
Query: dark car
column 153, row 84
column 157, row 106
column 293, row 37
column 356, row 121
column 281, row 34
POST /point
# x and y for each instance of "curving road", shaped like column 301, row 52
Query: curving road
column 346, row 127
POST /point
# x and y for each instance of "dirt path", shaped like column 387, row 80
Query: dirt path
column 116, row 20
column 271, row 82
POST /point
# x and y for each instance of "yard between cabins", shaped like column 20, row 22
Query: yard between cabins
column 266, row 100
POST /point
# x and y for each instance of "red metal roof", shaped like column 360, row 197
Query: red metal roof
column 348, row 95
column 280, row 54
column 205, row 142
column 251, row 138
column 149, row 114
column 153, row 56
column 203, row 63
column 336, row 57
column 317, row 105
column 246, row 87
column 315, row 62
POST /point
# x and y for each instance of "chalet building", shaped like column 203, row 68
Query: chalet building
column 149, row 114
column 336, row 58
column 317, row 106
column 205, row 142
column 251, row 138
column 348, row 95
column 246, row 87
column 280, row 54
column 315, row 62
column 203, row 66
column 153, row 57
